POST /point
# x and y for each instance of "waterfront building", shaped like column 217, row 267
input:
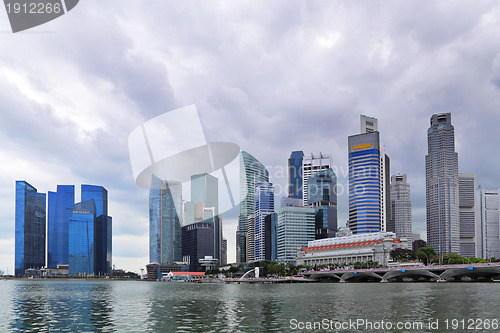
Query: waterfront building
column 442, row 186
column 489, row 215
column 251, row 172
column 250, row 239
column 81, row 243
column 224, row 252
column 369, row 180
column 197, row 243
column 291, row 202
column 322, row 196
column 348, row 250
column 467, row 214
column 155, row 271
column 401, row 207
column 295, row 227
column 60, row 211
column 295, row 174
column 264, row 205
column 165, row 198
column 310, row 166
column 102, row 228
column 271, row 237
column 30, row 228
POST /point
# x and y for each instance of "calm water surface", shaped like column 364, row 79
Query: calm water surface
column 117, row 306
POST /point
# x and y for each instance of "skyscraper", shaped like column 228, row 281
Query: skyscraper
column 295, row 174
column 204, row 188
column 311, row 165
column 401, row 207
column 369, row 180
column 102, row 228
column 442, row 189
column 322, row 196
column 295, row 227
column 250, row 238
column 251, row 172
column 59, row 213
column 197, row 242
column 30, row 228
column 81, row 243
column 489, row 214
column 264, row 205
column 467, row 214
column 165, row 221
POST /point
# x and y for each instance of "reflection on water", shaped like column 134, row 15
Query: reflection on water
column 115, row 306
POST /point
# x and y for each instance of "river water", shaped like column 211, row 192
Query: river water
column 134, row 306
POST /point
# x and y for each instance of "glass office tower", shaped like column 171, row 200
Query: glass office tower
column 30, row 228
column 295, row 174
column 251, row 172
column 264, row 205
column 81, row 239
column 165, row 204
column 103, row 228
column 59, row 213
column 442, row 186
column 322, row 187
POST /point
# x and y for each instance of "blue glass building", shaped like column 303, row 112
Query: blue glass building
column 81, row 248
column 100, row 196
column 271, row 238
column 264, row 205
column 165, row 204
column 322, row 196
column 30, row 228
column 295, row 174
column 251, row 172
column 60, row 211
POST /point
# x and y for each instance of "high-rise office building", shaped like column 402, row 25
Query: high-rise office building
column 60, row 211
column 102, row 228
column 224, row 252
column 205, row 189
column 81, row 242
column 442, row 186
column 322, row 196
column 489, row 215
column 30, row 228
column 251, row 172
column 311, row 165
column 264, row 205
column 467, row 214
column 295, row 227
column 197, row 243
column 165, row 236
column 369, row 181
column 401, row 207
column 295, row 174
column 271, row 237
column 250, row 238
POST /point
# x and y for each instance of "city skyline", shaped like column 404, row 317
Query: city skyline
column 298, row 79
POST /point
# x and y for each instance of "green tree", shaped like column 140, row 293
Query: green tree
column 400, row 254
column 426, row 254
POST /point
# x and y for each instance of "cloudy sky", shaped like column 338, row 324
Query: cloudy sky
column 270, row 76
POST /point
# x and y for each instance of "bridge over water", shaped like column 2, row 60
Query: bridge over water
column 444, row 273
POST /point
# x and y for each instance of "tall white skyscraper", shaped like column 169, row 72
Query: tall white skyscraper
column 467, row 214
column 489, row 244
column 401, row 207
column 442, row 194
column 311, row 165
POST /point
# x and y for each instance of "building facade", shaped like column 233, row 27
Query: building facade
column 311, row 165
column 264, row 205
column 322, row 196
column 250, row 239
column 251, row 172
column 467, row 214
column 271, row 237
column 295, row 174
column 295, row 227
column 489, row 215
column 60, row 211
column 197, row 243
column 345, row 251
column 165, row 235
column 82, row 246
column 401, row 207
column 442, row 186
column 30, row 227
